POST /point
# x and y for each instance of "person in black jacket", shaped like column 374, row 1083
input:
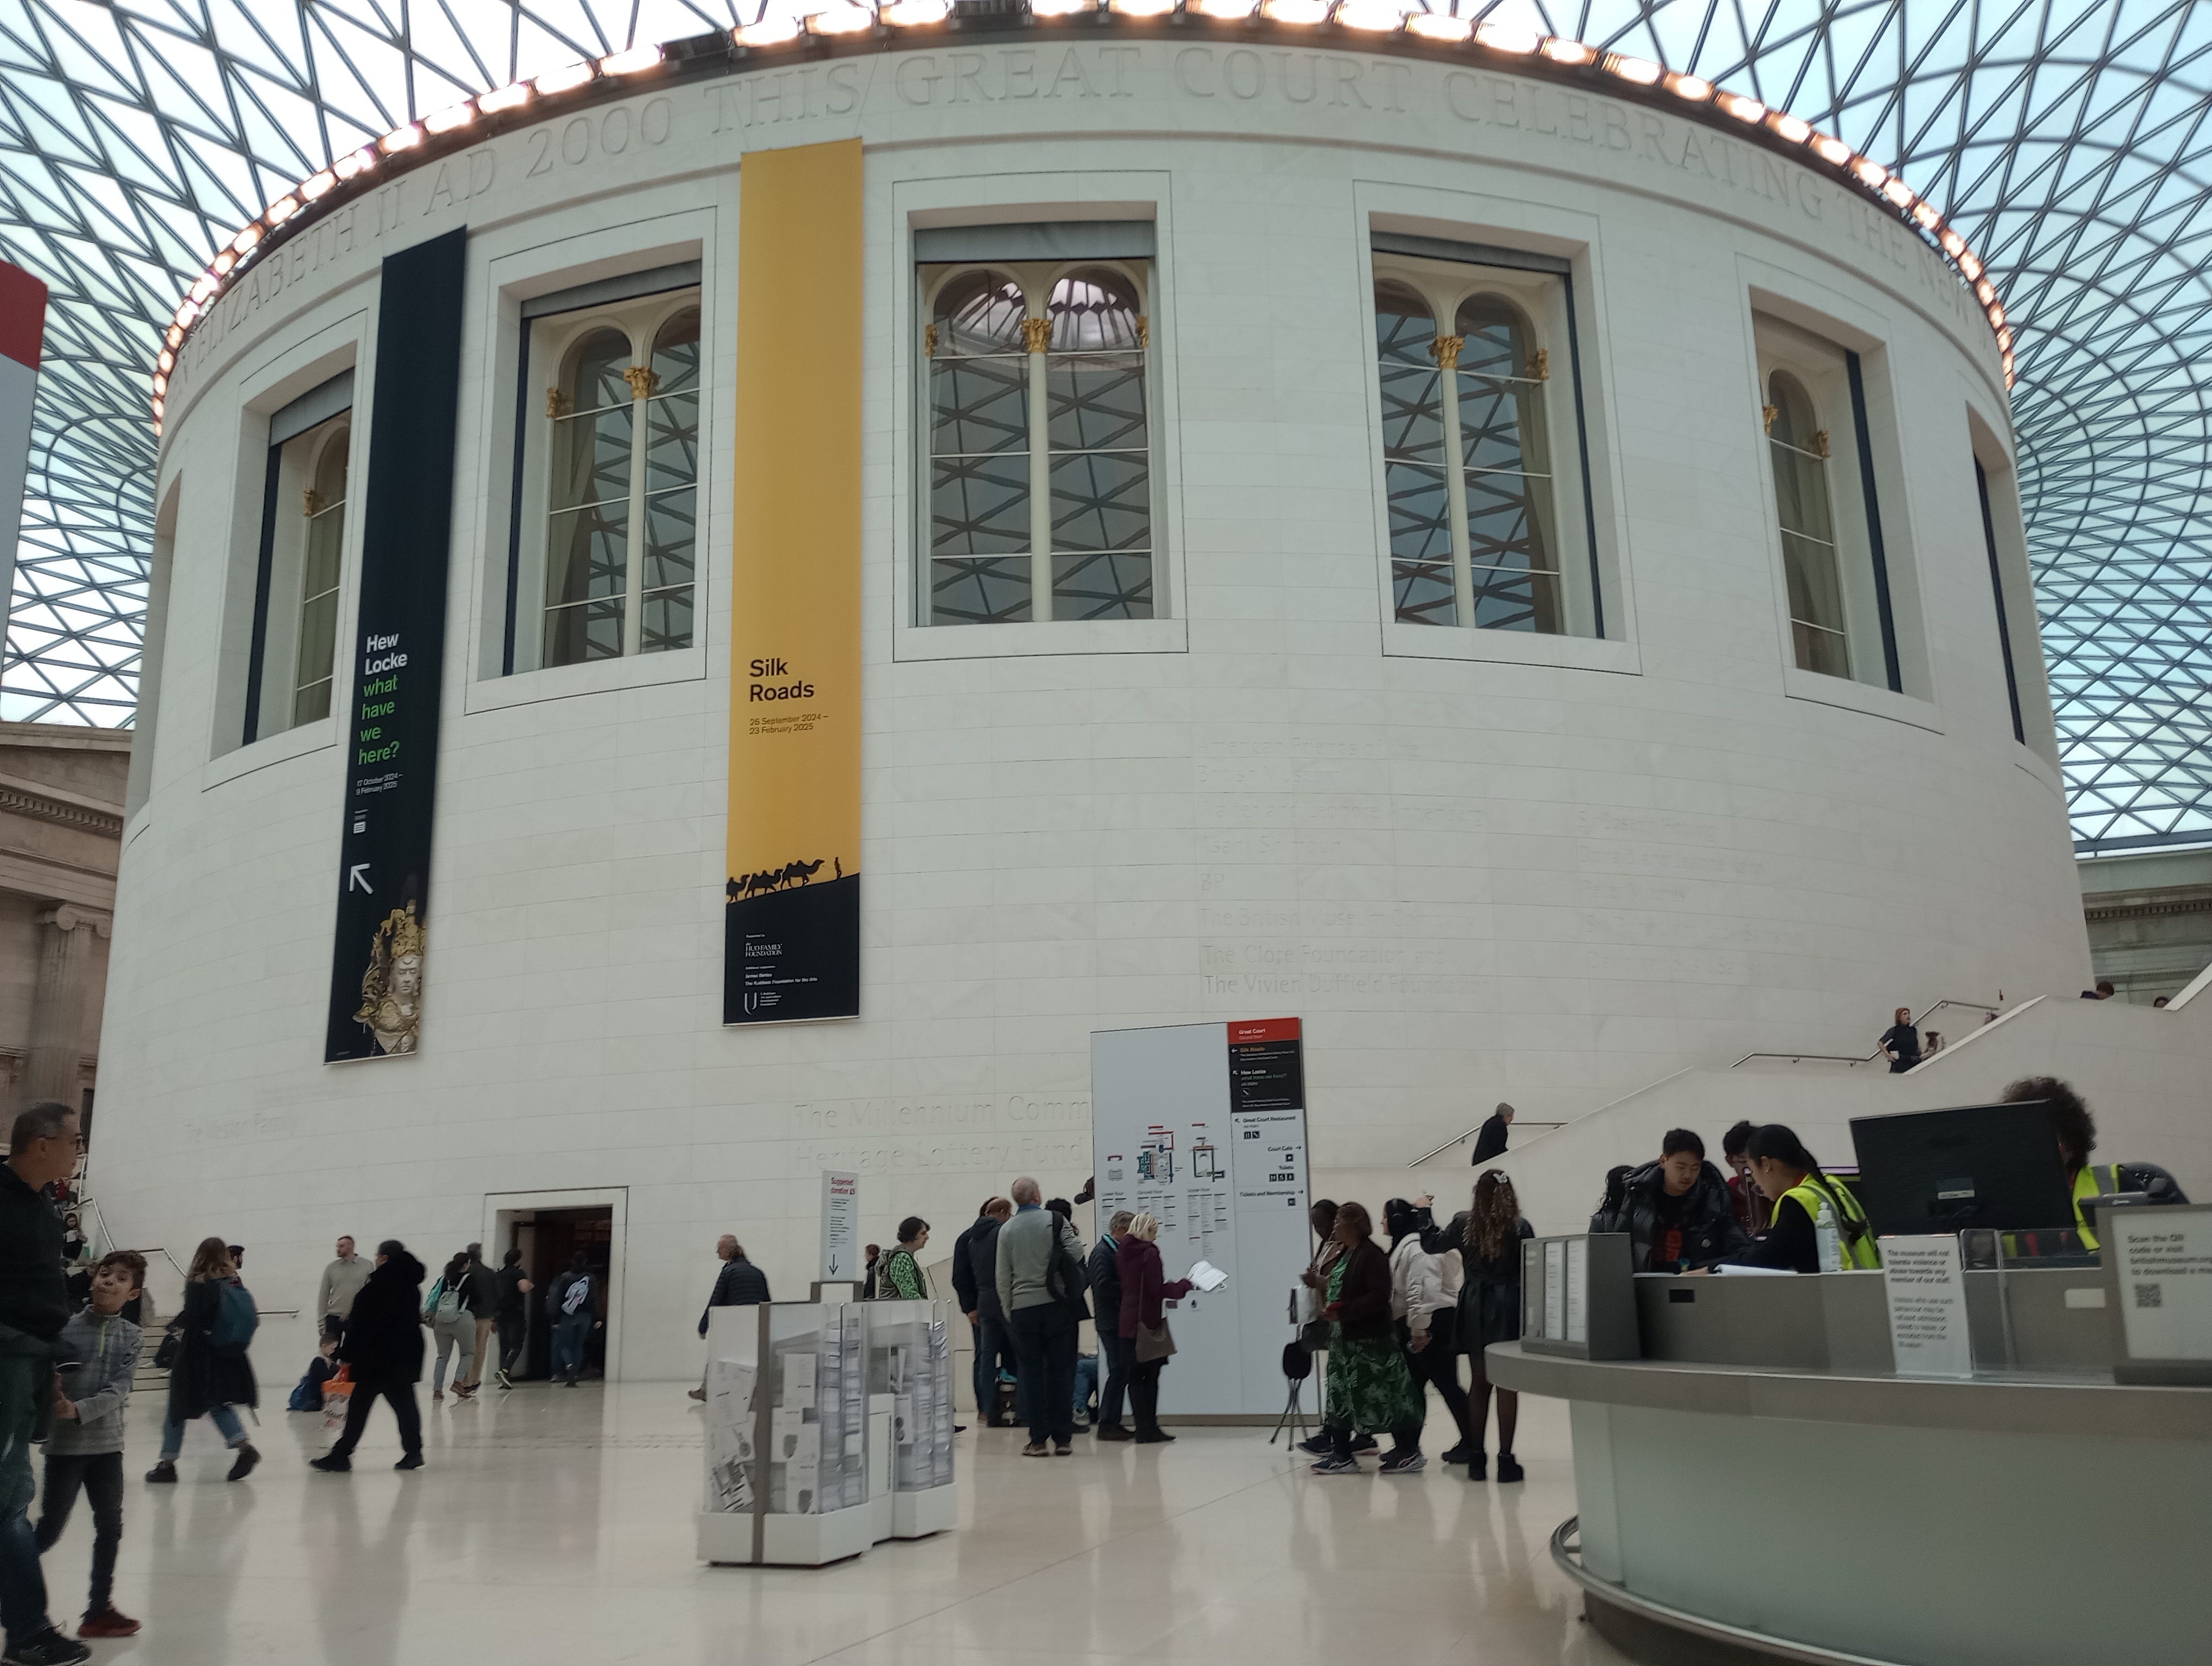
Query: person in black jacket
column 43, row 1148
column 739, row 1284
column 1676, row 1212
column 979, row 1295
column 1117, row 1353
column 383, row 1344
column 1490, row 1141
column 204, row 1382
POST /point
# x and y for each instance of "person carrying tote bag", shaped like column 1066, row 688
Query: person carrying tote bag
column 1144, row 1326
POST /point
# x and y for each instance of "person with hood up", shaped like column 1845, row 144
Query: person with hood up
column 383, row 1343
column 1676, row 1212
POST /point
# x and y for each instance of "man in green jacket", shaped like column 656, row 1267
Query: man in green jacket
column 34, row 1307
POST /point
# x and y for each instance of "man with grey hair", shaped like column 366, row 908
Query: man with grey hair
column 1041, row 1282
column 42, row 1148
column 1116, row 1354
column 1490, row 1141
column 739, row 1284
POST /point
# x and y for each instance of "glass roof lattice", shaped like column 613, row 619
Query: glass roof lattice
column 2067, row 139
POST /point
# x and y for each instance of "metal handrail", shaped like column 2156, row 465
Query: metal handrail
column 1470, row 1133
column 1854, row 1058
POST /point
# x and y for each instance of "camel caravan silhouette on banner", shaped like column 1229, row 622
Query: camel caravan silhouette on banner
column 791, row 874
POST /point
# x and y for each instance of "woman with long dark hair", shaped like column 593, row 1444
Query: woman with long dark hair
column 211, row 1373
column 1369, row 1388
column 1490, row 1311
column 1805, row 1200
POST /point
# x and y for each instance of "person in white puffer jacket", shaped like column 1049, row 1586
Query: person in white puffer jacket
column 1425, row 1290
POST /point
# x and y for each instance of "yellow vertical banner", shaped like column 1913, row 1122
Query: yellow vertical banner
column 791, row 930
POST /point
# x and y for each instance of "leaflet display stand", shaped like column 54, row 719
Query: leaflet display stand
column 804, row 1462
column 910, row 1363
column 787, row 1435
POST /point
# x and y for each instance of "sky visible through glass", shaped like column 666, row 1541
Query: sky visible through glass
column 2064, row 137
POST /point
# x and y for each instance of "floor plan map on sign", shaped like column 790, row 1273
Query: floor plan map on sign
column 1203, row 1126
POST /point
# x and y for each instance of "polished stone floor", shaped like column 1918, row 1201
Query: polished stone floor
column 554, row 1528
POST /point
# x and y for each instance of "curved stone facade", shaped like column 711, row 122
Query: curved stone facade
column 1542, row 866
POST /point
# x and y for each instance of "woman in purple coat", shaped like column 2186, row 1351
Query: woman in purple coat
column 1143, row 1292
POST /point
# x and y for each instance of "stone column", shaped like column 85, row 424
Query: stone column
column 53, row 1068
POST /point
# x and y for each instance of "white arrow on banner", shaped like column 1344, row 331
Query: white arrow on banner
column 358, row 875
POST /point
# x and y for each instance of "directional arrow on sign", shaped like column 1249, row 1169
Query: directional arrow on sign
column 358, row 875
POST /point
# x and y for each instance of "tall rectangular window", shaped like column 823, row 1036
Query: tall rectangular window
column 1490, row 521
column 1039, row 441
column 299, row 578
column 1997, row 594
column 1828, row 514
column 605, row 562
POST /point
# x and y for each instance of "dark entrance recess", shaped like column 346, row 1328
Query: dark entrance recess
column 547, row 1238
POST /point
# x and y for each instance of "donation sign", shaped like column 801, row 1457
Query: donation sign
column 1926, row 1286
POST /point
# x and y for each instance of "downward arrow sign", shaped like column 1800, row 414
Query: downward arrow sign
column 358, row 875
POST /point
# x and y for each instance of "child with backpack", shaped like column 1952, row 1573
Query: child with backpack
column 211, row 1373
column 85, row 1447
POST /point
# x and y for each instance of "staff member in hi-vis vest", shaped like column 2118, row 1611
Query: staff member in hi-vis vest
column 2077, row 1138
column 1819, row 1226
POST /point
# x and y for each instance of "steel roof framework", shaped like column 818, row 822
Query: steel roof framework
column 2068, row 139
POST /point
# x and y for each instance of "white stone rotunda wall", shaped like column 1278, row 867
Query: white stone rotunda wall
column 1478, row 865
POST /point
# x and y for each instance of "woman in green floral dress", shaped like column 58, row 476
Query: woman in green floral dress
column 1369, row 1388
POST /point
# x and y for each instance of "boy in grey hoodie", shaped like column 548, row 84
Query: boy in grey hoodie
column 85, row 1447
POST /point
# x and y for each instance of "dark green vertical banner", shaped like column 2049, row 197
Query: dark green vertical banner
column 389, row 728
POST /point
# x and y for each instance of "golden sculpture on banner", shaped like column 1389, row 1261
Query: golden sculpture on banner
column 392, row 988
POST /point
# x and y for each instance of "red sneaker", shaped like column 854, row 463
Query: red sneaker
column 108, row 1623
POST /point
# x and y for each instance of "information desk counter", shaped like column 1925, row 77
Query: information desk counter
column 1736, row 1514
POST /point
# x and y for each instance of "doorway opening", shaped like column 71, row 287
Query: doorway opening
column 550, row 1230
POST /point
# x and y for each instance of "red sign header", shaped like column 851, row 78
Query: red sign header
column 1264, row 1030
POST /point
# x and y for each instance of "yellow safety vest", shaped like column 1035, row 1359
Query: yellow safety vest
column 2095, row 1180
column 1853, row 1236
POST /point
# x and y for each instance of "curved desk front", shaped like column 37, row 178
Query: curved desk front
column 1735, row 1514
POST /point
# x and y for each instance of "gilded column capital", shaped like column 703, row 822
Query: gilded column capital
column 1036, row 334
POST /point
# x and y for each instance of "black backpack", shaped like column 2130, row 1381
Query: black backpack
column 1064, row 1277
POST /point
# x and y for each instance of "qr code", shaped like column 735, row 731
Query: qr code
column 2150, row 1295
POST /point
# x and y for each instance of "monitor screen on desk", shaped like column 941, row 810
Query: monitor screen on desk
column 1977, row 1165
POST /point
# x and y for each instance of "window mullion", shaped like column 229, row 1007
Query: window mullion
column 1446, row 352
column 1037, row 334
column 640, row 409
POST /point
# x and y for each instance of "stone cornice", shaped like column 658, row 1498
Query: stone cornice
column 22, row 800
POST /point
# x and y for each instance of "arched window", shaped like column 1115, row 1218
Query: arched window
column 1468, row 448
column 1503, row 449
column 1797, row 447
column 621, row 478
column 299, row 578
column 1040, row 444
column 1415, row 480
column 1100, row 458
column 320, row 566
column 587, row 519
column 671, row 486
column 979, row 489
